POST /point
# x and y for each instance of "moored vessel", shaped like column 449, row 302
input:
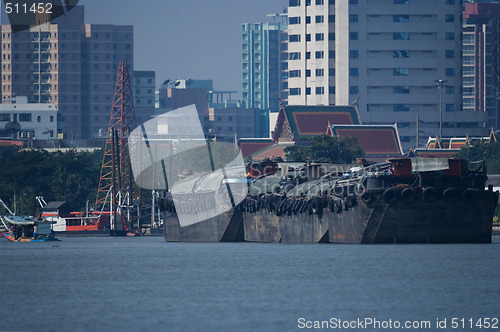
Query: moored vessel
column 407, row 200
column 28, row 229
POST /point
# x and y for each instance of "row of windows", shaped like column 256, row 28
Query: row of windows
column 400, row 18
column 407, row 108
column 401, row 54
column 22, row 117
column 353, row 89
column 296, row 3
column 320, row 90
column 318, row 19
column 318, row 37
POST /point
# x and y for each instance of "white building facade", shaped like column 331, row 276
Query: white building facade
column 30, row 120
column 386, row 55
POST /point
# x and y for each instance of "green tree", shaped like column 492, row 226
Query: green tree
column 326, row 149
column 479, row 150
column 67, row 176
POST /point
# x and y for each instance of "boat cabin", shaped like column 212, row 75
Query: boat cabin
column 27, row 229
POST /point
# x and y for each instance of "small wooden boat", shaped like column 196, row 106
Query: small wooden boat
column 28, row 229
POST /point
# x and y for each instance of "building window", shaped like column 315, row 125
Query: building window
column 353, row 54
column 331, row 54
column 450, row 107
column 331, row 2
column 38, row 118
column 320, row 90
column 294, row 73
column 4, row 117
column 450, row 71
column 450, row 36
column 353, row 89
column 401, row 18
column 308, row 91
column 402, row 89
column 401, row 107
column 24, row 117
column 450, row 18
column 331, row 36
column 308, row 2
column 353, row 71
column 294, row 91
column 331, row 72
column 353, row 18
column 320, row 72
column 294, row 56
column 450, row 2
column 308, row 37
column 294, row 3
column 319, row 54
column 294, row 20
column 320, row 19
column 450, row 53
column 353, row 36
column 319, row 2
column 308, row 19
column 294, row 38
column 320, row 36
column 401, row 36
column 331, row 90
column 308, row 55
column 308, row 72
column 331, row 18
column 401, row 54
column 450, row 89
column 401, row 2
column 401, row 71
column 353, row 2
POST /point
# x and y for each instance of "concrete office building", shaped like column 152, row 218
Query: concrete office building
column 34, row 120
column 386, row 56
column 144, row 95
column 70, row 64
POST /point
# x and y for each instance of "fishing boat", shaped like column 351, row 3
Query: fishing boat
column 28, row 229
column 69, row 223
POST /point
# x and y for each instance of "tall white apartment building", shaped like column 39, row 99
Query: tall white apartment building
column 387, row 55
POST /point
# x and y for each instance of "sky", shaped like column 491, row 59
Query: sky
column 180, row 39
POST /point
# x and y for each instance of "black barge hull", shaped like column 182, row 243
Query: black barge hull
column 417, row 221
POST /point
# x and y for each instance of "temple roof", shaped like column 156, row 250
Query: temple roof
column 312, row 120
column 251, row 145
column 375, row 140
column 275, row 150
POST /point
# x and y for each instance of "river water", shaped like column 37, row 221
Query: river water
column 131, row 284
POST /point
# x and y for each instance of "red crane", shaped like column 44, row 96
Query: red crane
column 116, row 172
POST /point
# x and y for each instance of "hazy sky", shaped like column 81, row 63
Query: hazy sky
column 179, row 39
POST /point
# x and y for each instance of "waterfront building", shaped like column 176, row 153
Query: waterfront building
column 384, row 56
column 20, row 119
column 70, row 64
column 481, row 60
column 264, row 66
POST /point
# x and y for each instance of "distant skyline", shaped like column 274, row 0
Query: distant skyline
column 195, row 39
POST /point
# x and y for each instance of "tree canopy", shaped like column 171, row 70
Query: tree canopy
column 326, row 149
column 479, row 150
column 59, row 176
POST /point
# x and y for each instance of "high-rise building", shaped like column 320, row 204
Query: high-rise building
column 264, row 63
column 69, row 64
column 386, row 56
column 481, row 60
column 144, row 95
